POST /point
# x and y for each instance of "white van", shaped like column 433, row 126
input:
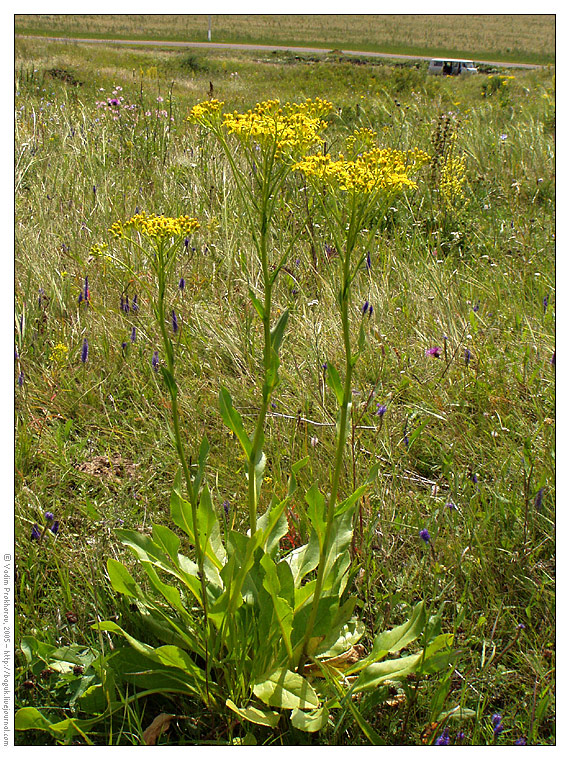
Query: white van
column 451, row 66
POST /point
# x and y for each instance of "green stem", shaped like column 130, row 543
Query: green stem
column 258, row 434
column 161, row 315
column 344, row 413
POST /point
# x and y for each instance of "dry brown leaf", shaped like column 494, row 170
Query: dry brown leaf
column 341, row 662
column 160, row 724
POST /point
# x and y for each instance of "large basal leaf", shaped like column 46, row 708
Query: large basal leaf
column 286, row 690
column 389, row 670
column 390, row 642
column 29, row 718
column 208, row 528
column 255, row 715
column 122, row 581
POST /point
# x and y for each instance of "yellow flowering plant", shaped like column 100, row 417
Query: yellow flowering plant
column 245, row 626
column 353, row 194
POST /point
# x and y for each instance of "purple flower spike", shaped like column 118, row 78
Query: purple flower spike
column 86, row 294
column 381, row 410
column 467, row 357
column 496, row 719
column 520, row 742
column 368, row 261
column 174, row 322
column 155, row 362
column 538, row 499
column 133, row 334
column 84, row 351
column 49, row 516
column 135, row 305
column 435, row 352
column 182, row 283
column 443, row 740
column 21, row 379
column 35, row 534
column 424, row 535
column 365, row 307
column 55, row 528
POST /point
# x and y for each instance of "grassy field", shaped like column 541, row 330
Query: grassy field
column 452, row 394
column 521, row 38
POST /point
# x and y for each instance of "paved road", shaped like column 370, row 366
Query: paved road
column 266, row 48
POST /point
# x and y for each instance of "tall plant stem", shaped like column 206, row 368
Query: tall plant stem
column 192, row 496
column 341, row 440
column 266, row 393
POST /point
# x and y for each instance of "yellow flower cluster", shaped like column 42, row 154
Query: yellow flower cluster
column 153, row 226
column 292, row 128
column 58, row 353
column 377, row 169
column 205, row 113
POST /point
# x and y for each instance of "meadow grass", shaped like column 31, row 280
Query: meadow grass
column 525, row 38
column 465, row 446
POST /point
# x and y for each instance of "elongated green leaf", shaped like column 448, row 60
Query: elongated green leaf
column 392, row 670
column 355, row 496
column 390, row 642
column 233, row 420
column 335, row 384
column 286, row 690
column 169, row 380
column 122, row 581
column 304, row 559
column 310, row 721
column 316, row 512
column 278, row 331
column 257, row 304
column 255, row 715
column 29, row 718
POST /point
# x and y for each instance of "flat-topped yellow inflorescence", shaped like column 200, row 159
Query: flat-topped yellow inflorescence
column 376, row 169
column 291, row 128
column 153, row 226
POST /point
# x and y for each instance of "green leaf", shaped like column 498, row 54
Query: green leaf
column 122, row 581
column 257, row 304
column 254, row 715
column 286, row 690
column 169, row 380
column 390, row 642
column 316, row 512
column 209, row 538
column 392, row 670
column 310, row 721
column 335, row 384
column 233, row 420
column 304, row 559
column 278, row 331
column 202, row 459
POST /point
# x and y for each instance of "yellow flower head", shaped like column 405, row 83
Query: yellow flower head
column 157, row 227
column 372, row 171
column 58, row 353
column 206, row 113
column 291, row 129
